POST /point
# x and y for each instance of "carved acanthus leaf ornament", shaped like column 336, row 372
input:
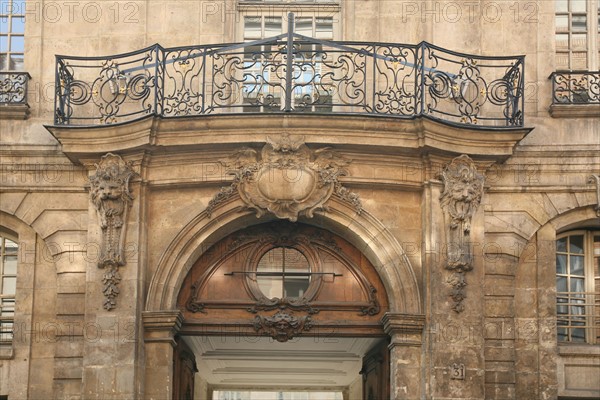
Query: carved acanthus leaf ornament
column 463, row 188
column 110, row 195
column 286, row 179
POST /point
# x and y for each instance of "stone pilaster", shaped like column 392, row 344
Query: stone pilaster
column 454, row 333
column 114, row 285
column 406, row 358
column 160, row 328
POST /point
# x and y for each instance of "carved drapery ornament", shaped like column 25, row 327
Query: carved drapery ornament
column 111, row 197
column 596, row 179
column 282, row 326
column 463, row 188
column 286, row 179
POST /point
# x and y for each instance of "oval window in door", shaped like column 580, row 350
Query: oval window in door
column 283, row 272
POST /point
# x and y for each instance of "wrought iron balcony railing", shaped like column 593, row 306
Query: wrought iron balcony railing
column 575, row 87
column 295, row 74
column 13, row 87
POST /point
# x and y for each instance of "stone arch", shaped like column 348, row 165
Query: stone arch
column 362, row 230
column 26, row 267
column 575, row 218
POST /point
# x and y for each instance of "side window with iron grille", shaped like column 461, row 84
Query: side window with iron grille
column 8, row 284
column 578, row 287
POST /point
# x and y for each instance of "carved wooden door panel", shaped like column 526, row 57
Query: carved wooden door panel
column 184, row 367
column 376, row 373
column 283, row 280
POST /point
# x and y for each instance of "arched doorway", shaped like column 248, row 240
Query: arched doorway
column 282, row 308
column 403, row 323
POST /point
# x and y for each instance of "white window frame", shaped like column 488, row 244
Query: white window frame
column 8, row 13
column 3, row 296
column 592, row 31
column 302, row 9
column 590, row 296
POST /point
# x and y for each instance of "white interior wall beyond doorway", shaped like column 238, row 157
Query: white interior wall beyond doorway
column 275, row 395
column 305, row 368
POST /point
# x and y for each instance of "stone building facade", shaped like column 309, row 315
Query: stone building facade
column 319, row 210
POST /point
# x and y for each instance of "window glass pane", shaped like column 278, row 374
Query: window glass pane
column 324, row 28
column 578, row 335
column 6, row 329
column 8, row 306
column 3, row 24
column 561, row 284
column 252, row 28
column 18, row 25
column 577, row 265
column 562, row 334
column 19, row 6
column 562, row 5
column 562, row 61
column 578, row 5
column 579, row 61
column 9, row 284
column 304, row 26
column 577, row 285
column 579, row 41
column 3, row 44
column 272, row 26
column 576, row 244
column 272, row 263
column 16, row 62
column 6, row 7
column 561, row 264
column 3, row 61
column 10, row 247
column 10, row 265
column 579, row 23
column 562, row 23
column 17, row 44
column 561, row 245
column 285, row 273
column 295, row 263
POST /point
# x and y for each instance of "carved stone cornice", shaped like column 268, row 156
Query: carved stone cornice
column 14, row 111
column 287, row 179
column 282, row 326
column 419, row 135
column 596, row 179
column 404, row 329
column 109, row 192
column 162, row 326
column 463, row 188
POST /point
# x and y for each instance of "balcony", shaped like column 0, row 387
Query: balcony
column 575, row 94
column 292, row 74
column 13, row 95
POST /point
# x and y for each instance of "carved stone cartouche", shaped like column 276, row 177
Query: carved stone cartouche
column 287, row 179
